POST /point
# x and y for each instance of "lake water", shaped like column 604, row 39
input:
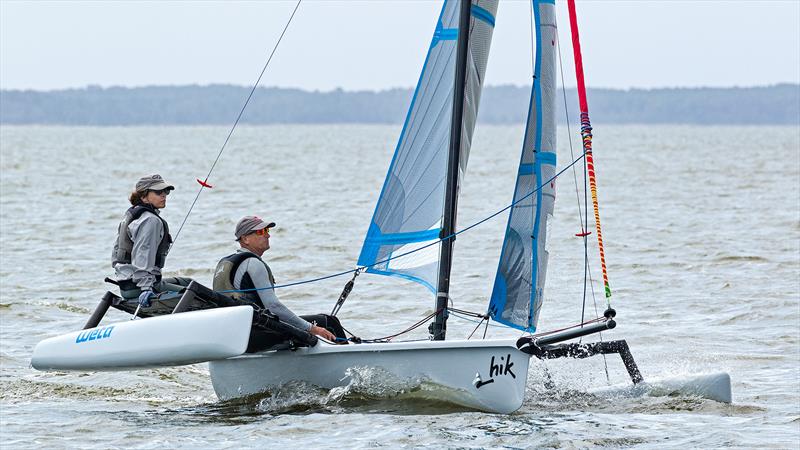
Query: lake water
column 702, row 234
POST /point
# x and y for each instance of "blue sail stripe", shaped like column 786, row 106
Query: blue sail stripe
column 546, row 158
column 541, row 158
column 404, row 238
column 444, row 34
column 482, row 14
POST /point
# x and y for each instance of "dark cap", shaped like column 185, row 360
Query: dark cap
column 249, row 224
column 153, row 183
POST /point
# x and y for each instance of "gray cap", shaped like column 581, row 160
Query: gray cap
column 153, row 183
column 249, row 224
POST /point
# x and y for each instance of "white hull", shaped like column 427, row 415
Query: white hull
column 476, row 374
column 171, row 340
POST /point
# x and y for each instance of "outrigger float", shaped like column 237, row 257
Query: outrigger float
column 410, row 236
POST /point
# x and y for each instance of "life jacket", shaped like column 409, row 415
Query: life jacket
column 225, row 273
column 124, row 245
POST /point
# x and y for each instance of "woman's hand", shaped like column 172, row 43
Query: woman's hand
column 145, row 296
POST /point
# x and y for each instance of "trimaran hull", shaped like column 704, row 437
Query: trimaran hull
column 488, row 375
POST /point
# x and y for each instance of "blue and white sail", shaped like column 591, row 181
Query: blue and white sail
column 410, row 209
column 519, row 285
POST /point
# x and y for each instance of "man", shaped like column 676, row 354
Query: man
column 245, row 270
column 142, row 244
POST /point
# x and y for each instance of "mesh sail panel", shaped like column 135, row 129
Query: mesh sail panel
column 519, row 285
column 411, row 205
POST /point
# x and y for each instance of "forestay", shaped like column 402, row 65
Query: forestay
column 409, row 211
column 519, row 284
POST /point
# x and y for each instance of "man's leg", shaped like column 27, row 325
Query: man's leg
column 330, row 323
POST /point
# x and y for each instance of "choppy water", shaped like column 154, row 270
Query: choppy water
column 702, row 233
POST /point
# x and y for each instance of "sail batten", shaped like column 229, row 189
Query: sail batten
column 519, row 284
column 410, row 210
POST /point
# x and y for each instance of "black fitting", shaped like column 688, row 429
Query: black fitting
column 574, row 333
column 102, row 307
column 610, row 313
column 526, row 345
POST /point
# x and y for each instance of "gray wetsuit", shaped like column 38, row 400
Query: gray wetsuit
column 146, row 232
column 259, row 275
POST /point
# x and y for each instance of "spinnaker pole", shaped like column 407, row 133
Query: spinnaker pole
column 438, row 329
column 586, row 137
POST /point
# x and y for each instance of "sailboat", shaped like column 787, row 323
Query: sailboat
column 410, row 236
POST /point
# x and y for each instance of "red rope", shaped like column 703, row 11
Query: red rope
column 586, row 135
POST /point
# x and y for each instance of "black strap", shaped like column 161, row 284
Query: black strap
column 236, row 260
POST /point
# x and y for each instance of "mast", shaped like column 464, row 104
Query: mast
column 438, row 328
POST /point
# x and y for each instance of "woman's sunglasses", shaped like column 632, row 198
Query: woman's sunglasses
column 161, row 191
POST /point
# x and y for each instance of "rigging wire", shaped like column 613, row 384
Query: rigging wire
column 393, row 257
column 461, row 314
column 204, row 183
column 456, row 312
column 569, row 136
column 584, row 220
column 407, row 330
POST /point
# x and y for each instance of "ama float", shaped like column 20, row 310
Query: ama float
column 411, row 235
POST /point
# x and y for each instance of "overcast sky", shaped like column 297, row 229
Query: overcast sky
column 380, row 44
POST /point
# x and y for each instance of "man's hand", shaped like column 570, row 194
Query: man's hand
column 322, row 332
column 144, row 298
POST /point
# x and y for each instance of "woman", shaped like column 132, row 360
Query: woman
column 143, row 241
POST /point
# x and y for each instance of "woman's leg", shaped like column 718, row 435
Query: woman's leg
column 172, row 284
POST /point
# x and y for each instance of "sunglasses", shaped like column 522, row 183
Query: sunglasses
column 262, row 232
column 161, row 192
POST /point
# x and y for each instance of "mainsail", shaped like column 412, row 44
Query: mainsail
column 409, row 211
column 519, row 284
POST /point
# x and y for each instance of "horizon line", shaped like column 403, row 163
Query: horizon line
column 94, row 86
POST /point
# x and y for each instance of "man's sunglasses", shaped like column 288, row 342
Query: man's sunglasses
column 161, row 191
column 262, row 232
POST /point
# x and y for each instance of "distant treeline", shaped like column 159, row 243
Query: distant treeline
column 220, row 104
